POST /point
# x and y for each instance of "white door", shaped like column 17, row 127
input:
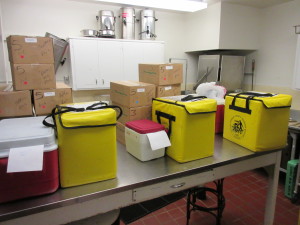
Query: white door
column 133, row 55
column 84, row 64
column 110, row 62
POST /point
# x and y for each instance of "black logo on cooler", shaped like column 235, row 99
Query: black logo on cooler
column 238, row 127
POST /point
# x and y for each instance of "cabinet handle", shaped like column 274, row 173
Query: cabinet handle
column 102, row 81
column 96, row 81
column 178, row 185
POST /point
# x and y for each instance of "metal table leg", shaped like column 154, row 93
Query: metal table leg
column 273, row 172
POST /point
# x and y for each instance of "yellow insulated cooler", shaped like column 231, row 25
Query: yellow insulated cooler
column 87, row 143
column 257, row 121
column 190, row 122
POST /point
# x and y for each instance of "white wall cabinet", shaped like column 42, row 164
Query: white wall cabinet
column 95, row 62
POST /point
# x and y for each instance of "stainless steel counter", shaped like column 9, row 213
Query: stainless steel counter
column 134, row 174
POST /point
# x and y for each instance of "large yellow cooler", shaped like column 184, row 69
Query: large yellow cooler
column 87, row 143
column 257, row 121
column 191, row 125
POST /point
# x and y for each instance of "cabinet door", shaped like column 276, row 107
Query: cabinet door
column 140, row 52
column 84, row 64
column 133, row 55
column 110, row 62
column 153, row 52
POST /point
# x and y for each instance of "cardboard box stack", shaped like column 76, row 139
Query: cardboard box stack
column 166, row 77
column 135, row 99
column 32, row 67
column 32, row 62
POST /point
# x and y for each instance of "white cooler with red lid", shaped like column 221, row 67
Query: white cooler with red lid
column 138, row 140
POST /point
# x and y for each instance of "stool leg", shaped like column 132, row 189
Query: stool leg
column 188, row 211
column 201, row 195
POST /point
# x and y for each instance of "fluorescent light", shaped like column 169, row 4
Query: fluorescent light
column 178, row 5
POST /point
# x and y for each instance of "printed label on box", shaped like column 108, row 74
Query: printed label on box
column 49, row 94
column 141, row 90
column 31, row 40
column 169, row 67
column 168, row 88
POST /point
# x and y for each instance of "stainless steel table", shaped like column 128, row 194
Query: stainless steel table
column 139, row 181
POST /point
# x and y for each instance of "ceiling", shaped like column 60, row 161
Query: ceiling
column 253, row 3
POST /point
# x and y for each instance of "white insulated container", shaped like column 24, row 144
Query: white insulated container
column 137, row 141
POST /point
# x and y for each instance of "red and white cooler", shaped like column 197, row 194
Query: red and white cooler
column 139, row 141
column 25, row 144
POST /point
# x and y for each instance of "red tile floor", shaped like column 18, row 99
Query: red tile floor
column 245, row 195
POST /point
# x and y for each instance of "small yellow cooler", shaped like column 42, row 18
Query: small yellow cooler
column 87, row 143
column 190, row 121
column 257, row 121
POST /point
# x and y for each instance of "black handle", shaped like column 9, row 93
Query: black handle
column 58, row 110
column 251, row 95
column 256, row 94
column 106, row 106
column 62, row 109
column 167, row 116
column 91, row 107
column 191, row 97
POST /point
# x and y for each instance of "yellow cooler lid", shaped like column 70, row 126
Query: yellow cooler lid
column 269, row 100
column 193, row 104
column 87, row 118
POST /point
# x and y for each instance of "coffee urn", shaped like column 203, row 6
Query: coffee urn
column 106, row 21
column 128, row 23
column 147, row 22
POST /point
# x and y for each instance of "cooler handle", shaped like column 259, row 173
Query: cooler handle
column 167, row 116
column 191, row 97
column 72, row 109
column 106, row 106
column 96, row 104
column 53, row 114
column 251, row 96
column 256, row 94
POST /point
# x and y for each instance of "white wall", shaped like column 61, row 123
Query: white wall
column 276, row 55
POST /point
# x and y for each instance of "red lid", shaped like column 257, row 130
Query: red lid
column 144, row 126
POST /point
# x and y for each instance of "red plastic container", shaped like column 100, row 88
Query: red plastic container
column 24, row 132
column 219, row 119
column 144, row 126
